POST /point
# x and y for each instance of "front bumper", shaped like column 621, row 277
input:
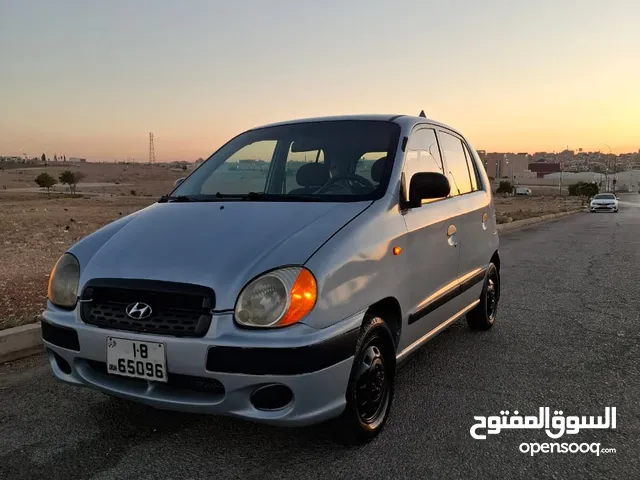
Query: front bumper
column 218, row 373
column 603, row 208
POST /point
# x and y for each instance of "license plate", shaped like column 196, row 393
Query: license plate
column 132, row 358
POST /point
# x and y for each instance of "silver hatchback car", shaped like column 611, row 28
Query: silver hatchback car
column 286, row 277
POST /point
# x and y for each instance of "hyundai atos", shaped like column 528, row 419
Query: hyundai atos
column 286, row 277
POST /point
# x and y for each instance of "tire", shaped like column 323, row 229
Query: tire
column 370, row 389
column 483, row 316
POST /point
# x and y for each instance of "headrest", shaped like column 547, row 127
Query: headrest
column 376, row 169
column 312, row 175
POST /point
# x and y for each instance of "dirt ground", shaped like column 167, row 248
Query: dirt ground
column 519, row 208
column 35, row 229
column 100, row 178
column 34, row 232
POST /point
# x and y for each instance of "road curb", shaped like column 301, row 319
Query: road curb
column 508, row 227
column 20, row 342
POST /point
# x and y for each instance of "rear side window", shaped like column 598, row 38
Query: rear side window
column 476, row 183
column 456, row 163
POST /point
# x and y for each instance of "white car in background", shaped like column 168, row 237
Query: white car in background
column 607, row 202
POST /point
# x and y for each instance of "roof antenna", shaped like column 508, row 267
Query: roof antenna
column 422, row 114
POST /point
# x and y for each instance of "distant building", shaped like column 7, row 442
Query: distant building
column 505, row 165
column 77, row 160
column 541, row 168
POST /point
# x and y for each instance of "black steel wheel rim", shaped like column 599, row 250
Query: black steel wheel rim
column 492, row 296
column 372, row 384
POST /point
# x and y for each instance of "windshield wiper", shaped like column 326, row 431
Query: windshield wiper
column 284, row 196
column 179, row 198
column 250, row 196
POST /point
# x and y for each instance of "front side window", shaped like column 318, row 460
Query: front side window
column 456, row 162
column 423, row 154
column 339, row 160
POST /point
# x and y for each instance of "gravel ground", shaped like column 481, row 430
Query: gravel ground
column 566, row 338
column 33, row 234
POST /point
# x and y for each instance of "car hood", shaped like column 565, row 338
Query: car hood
column 222, row 245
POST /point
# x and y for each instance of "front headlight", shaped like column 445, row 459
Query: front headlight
column 277, row 298
column 63, row 282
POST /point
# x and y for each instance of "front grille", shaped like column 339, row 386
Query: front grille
column 177, row 309
column 174, row 380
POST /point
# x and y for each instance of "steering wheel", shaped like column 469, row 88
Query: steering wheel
column 349, row 181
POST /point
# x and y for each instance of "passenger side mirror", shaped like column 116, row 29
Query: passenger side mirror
column 178, row 182
column 427, row 185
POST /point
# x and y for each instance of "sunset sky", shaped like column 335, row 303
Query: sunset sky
column 92, row 78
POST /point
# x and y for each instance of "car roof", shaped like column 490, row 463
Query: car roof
column 405, row 121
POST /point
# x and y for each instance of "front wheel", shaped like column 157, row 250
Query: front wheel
column 371, row 383
column 483, row 316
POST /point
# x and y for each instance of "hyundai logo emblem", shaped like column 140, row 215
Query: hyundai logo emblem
column 138, row 311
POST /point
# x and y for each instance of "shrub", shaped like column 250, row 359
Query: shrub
column 505, row 187
column 72, row 179
column 586, row 190
column 44, row 180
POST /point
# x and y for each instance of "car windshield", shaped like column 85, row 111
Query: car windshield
column 336, row 161
column 604, row 196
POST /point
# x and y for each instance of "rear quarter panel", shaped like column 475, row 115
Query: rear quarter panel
column 493, row 224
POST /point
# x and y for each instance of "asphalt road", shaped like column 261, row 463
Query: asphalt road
column 567, row 337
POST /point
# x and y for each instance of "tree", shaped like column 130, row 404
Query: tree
column 586, row 190
column 55, row 157
column 505, row 187
column 44, row 180
column 72, row 179
column 44, row 158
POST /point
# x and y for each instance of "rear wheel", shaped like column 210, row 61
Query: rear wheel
column 483, row 316
column 371, row 383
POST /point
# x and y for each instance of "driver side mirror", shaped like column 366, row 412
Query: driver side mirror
column 427, row 185
column 178, row 182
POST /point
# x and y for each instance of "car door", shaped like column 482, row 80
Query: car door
column 432, row 249
column 477, row 234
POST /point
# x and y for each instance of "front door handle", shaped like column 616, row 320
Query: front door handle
column 451, row 236
column 485, row 217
